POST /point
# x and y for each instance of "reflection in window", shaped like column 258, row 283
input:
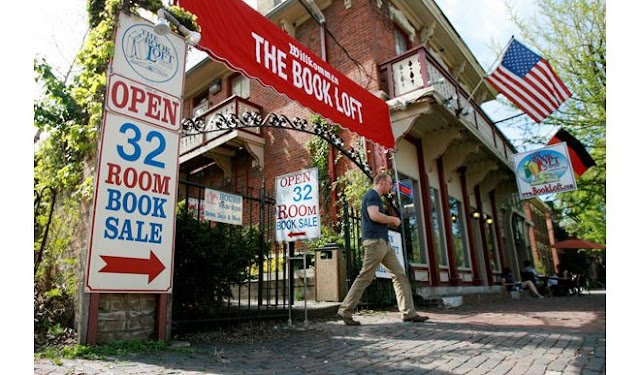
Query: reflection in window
column 410, row 200
column 438, row 234
column 457, row 228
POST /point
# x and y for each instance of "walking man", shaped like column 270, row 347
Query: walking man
column 375, row 241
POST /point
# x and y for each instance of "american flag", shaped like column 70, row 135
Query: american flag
column 529, row 82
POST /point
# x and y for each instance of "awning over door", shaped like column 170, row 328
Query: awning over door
column 246, row 41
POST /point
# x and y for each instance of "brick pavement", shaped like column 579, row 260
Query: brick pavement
column 554, row 336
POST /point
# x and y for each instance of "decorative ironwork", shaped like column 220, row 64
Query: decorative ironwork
column 253, row 119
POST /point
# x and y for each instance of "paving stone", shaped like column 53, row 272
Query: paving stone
column 503, row 338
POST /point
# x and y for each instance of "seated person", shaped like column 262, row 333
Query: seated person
column 530, row 273
column 528, row 268
column 568, row 283
column 512, row 285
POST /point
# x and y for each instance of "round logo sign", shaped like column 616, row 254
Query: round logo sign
column 542, row 167
column 150, row 55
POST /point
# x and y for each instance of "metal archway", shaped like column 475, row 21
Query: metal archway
column 253, row 119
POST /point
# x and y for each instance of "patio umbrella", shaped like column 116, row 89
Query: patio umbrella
column 576, row 243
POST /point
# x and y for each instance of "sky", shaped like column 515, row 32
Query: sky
column 483, row 24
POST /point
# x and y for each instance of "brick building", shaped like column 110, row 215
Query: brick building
column 469, row 222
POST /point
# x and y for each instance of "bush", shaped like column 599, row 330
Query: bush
column 209, row 258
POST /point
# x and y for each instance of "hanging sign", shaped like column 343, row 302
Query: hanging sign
column 297, row 206
column 245, row 40
column 544, row 171
column 222, row 207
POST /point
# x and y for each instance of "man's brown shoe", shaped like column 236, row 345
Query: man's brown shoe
column 416, row 319
column 349, row 321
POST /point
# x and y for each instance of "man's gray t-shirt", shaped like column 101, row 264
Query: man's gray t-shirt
column 372, row 230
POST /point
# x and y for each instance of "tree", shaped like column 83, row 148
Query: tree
column 571, row 34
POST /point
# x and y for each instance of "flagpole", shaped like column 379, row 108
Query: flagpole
column 490, row 68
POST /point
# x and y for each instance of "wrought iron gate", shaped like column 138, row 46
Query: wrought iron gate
column 259, row 291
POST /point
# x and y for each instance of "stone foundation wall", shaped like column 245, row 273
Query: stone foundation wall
column 126, row 317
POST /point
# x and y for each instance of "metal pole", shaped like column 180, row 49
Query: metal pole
column 347, row 238
column 402, row 234
column 291, row 280
column 490, row 67
column 304, row 273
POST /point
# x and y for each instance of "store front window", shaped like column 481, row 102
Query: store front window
column 492, row 244
column 409, row 200
column 438, row 233
column 458, row 229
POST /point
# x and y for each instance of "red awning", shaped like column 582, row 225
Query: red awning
column 239, row 36
column 577, row 244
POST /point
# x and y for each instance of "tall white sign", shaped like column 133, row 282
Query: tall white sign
column 133, row 222
column 297, row 206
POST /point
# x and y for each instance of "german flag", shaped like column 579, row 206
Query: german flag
column 580, row 158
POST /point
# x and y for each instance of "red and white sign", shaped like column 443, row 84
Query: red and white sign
column 297, row 206
column 245, row 40
column 142, row 102
column 133, row 221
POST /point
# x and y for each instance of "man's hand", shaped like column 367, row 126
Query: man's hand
column 395, row 221
column 379, row 217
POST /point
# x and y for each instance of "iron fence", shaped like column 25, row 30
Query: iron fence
column 257, row 285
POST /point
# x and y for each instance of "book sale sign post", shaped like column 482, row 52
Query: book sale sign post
column 133, row 219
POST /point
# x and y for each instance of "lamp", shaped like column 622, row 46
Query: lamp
column 489, row 221
column 162, row 27
column 454, row 218
column 476, row 215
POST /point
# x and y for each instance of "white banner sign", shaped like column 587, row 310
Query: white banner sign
column 544, row 171
column 222, row 207
column 297, row 206
column 395, row 241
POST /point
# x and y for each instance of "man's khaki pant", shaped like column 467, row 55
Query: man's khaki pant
column 379, row 252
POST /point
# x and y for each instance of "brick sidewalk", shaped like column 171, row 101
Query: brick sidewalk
column 561, row 335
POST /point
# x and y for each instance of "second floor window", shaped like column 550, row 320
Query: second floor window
column 200, row 104
column 401, row 40
column 240, row 86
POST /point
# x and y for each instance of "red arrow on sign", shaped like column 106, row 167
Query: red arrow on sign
column 296, row 234
column 152, row 266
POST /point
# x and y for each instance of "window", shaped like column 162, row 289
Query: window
column 240, row 86
column 200, row 104
column 401, row 40
column 459, row 238
column 492, row 244
column 438, row 234
column 409, row 200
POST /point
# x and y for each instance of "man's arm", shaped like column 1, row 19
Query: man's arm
column 379, row 217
